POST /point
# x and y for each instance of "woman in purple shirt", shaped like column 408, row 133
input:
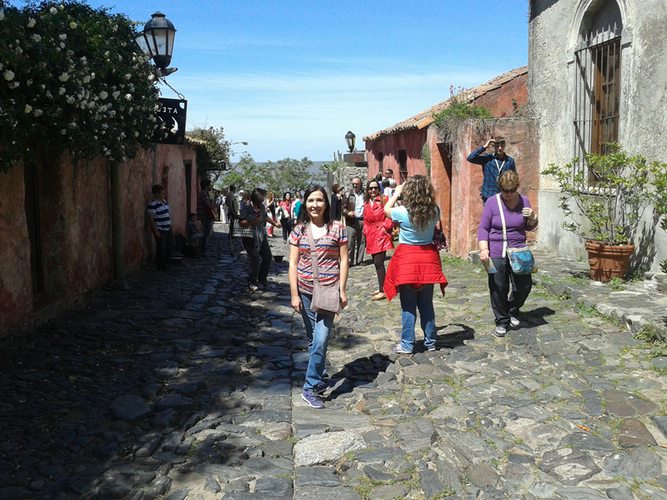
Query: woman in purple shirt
column 519, row 218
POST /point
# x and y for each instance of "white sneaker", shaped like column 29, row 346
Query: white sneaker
column 500, row 331
column 514, row 322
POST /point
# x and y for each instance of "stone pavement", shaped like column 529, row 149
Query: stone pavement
column 187, row 386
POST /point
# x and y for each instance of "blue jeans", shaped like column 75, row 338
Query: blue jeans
column 411, row 300
column 318, row 326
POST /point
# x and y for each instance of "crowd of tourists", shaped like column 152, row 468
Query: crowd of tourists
column 330, row 233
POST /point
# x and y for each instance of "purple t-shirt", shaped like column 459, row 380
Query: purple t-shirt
column 491, row 227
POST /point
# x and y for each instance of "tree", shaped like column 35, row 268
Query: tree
column 286, row 175
column 213, row 153
column 73, row 79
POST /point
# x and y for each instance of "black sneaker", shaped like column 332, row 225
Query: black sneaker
column 312, row 398
column 324, row 386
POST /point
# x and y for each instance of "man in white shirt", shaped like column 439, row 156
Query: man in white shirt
column 354, row 217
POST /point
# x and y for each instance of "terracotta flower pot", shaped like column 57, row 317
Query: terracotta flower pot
column 608, row 261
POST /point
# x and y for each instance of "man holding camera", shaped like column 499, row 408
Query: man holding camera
column 492, row 165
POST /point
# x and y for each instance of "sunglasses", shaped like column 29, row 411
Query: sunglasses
column 509, row 190
column 373, row 187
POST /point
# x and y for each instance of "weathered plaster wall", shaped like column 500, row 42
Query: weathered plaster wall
column 75, row 224
column 411, row 140
column 15, row 285
column 508, row 100
column 643, row 123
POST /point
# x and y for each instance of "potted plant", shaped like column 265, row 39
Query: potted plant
column 603, row 204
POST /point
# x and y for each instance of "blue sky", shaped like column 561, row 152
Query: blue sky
column 291, row 77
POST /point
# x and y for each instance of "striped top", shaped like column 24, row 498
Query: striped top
column 159, row 212
column 328, row 254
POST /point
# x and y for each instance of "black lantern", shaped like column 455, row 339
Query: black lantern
column 157, row 40
column 349, row 138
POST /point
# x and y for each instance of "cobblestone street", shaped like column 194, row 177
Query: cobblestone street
column 188, row 386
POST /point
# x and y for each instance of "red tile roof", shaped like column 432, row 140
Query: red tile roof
column 425, row 118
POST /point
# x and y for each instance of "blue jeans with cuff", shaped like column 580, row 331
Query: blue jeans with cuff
column 413, row 299
column 318, row 327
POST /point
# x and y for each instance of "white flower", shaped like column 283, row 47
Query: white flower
column 36, row 38
column 63, row 36
column 72, row 25
column 61, row 90
column 63, row 77
column 49, row 94
column 9, row 75
column 27, row 109
column 136, row 133
column 103, row 95
column 128, row 76
column 37, row 112
column 113, row 94
column 31, row 23
column 63, row 131
column 128, row 97
column 86, row 79
column 53, row 10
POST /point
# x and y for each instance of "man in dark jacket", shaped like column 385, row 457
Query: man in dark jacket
column 492, row 165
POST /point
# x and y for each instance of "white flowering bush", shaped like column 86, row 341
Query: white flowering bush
column 72, row 79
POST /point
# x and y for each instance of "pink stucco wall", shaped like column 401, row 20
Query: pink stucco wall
column 465, row 204
column 456, row 181
column 74, row 220
column 389, row 146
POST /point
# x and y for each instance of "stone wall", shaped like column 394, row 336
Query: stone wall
column 73, row 221
column 553, row 29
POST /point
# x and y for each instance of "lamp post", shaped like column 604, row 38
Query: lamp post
column 157, row 40
column 349, row 139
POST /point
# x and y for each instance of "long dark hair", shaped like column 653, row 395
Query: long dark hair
column 257, row 197
column 303, row 216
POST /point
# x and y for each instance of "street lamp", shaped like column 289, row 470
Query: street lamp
column 349, row 138
column 157, row 40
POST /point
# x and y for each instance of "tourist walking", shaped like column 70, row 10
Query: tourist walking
column 285, row 213
column 252, row 230
column 377, row 232
column 415, row 266
column 354, row 217
column 271, row 210
column 336, row 202
column 317, row 235
column 232, row 204
column 513, row 211
column 492, row 165
column 205, row 212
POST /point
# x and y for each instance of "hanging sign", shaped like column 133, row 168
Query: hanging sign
column 172, row 115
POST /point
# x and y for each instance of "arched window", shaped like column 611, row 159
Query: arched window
column 598, row 79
